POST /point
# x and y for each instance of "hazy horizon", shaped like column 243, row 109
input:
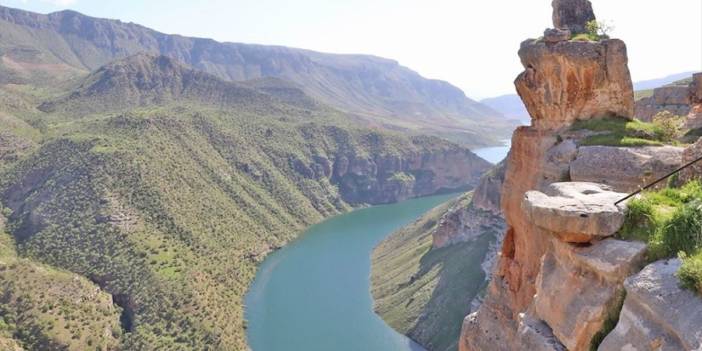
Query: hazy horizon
column 462, row 43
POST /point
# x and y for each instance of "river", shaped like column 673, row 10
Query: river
column 314, row 295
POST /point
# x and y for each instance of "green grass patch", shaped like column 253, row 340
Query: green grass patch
column 617, row 131
column 670, row 222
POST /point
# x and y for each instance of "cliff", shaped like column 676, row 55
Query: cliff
column 680, row 98
column 426, row 295
column 563, row 272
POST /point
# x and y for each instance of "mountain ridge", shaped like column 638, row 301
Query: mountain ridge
column 380, row 90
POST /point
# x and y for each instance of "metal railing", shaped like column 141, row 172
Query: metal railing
column 657, row 181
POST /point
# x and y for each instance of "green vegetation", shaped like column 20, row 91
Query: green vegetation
column 595, row 31
column 422, row 292
column 641, row 94
column 168, row 204
column 670, row 222
column 616, row 131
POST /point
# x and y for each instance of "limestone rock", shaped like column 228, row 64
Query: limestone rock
column 487, row 195
column 574, row 211
column 674, row 99
column 690, row 154
column 572, row 14
column 555, row 35
column 579, row 287
column 696, row 89
column 624, row 168
column 657, row 313
column 535, row 335
column 573, row 80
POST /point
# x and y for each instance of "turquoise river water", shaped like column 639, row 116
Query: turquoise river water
column 314, row 294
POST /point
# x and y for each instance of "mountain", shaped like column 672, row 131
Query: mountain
column 659, row 82
column 150, row 191
column 511, row 105
column 36, row 47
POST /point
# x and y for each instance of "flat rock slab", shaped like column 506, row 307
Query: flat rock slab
column 625, row 169
column 575, row 211
column 657, row 313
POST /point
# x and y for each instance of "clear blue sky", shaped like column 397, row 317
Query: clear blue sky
column 470, row 43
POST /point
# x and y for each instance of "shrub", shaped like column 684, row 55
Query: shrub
column 668, row 126
column 598, row 29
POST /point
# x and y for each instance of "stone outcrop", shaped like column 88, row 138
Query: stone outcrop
column 573, row 80
column 572, row 14
column 674, row 99
column 384, row 179
column 691, row 153
column 487, row 194
column 575, row 212
column 579, row 287
column 657, row 314
column 694, row 118
column 624, row 168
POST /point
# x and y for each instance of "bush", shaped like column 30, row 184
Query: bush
column 668, row 126
column 598, row 29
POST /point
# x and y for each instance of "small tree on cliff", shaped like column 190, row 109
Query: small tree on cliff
column 598, row 30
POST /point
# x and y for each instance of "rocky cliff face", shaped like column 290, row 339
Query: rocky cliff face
column 680, row 99
column 386, row 179
column 560, row 276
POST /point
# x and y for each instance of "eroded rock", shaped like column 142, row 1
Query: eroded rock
column 572, row 14
column 657, row 313
column 674, row 99
column 535, row 335
column 624, row 168
column 555, row 35
column 575, row 211
column 573, row 80
column 579, row 287
column 691, row 153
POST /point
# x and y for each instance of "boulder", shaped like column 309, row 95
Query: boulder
column 575, row 211
column 572, row 14
column 555, row 35
column 690, row 154
column 535, row 335
column 572, row 80
column 657, row 314
column 580, row 287
column 625, row 169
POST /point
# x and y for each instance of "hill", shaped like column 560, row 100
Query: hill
column 160, row 188
column 36, row 48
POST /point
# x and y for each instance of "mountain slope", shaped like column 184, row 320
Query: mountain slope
column 36, row 47
column 168, row 204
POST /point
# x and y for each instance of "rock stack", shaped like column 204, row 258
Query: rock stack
column 561, row 274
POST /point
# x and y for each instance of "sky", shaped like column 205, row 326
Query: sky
column 470, row 43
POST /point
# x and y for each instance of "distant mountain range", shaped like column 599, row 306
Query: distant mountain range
column 512, row 107
column 36, row 47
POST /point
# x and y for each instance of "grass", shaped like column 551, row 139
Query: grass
column 670, row 222
column 615, row 131
column 585, row 37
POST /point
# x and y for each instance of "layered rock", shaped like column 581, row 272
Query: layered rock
column 562, row 82
column 674, row 99
column 657, row 314
column 627, row 168
column 385, row 179
column 579, row 287
column 694, row 118
column 575, row 212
